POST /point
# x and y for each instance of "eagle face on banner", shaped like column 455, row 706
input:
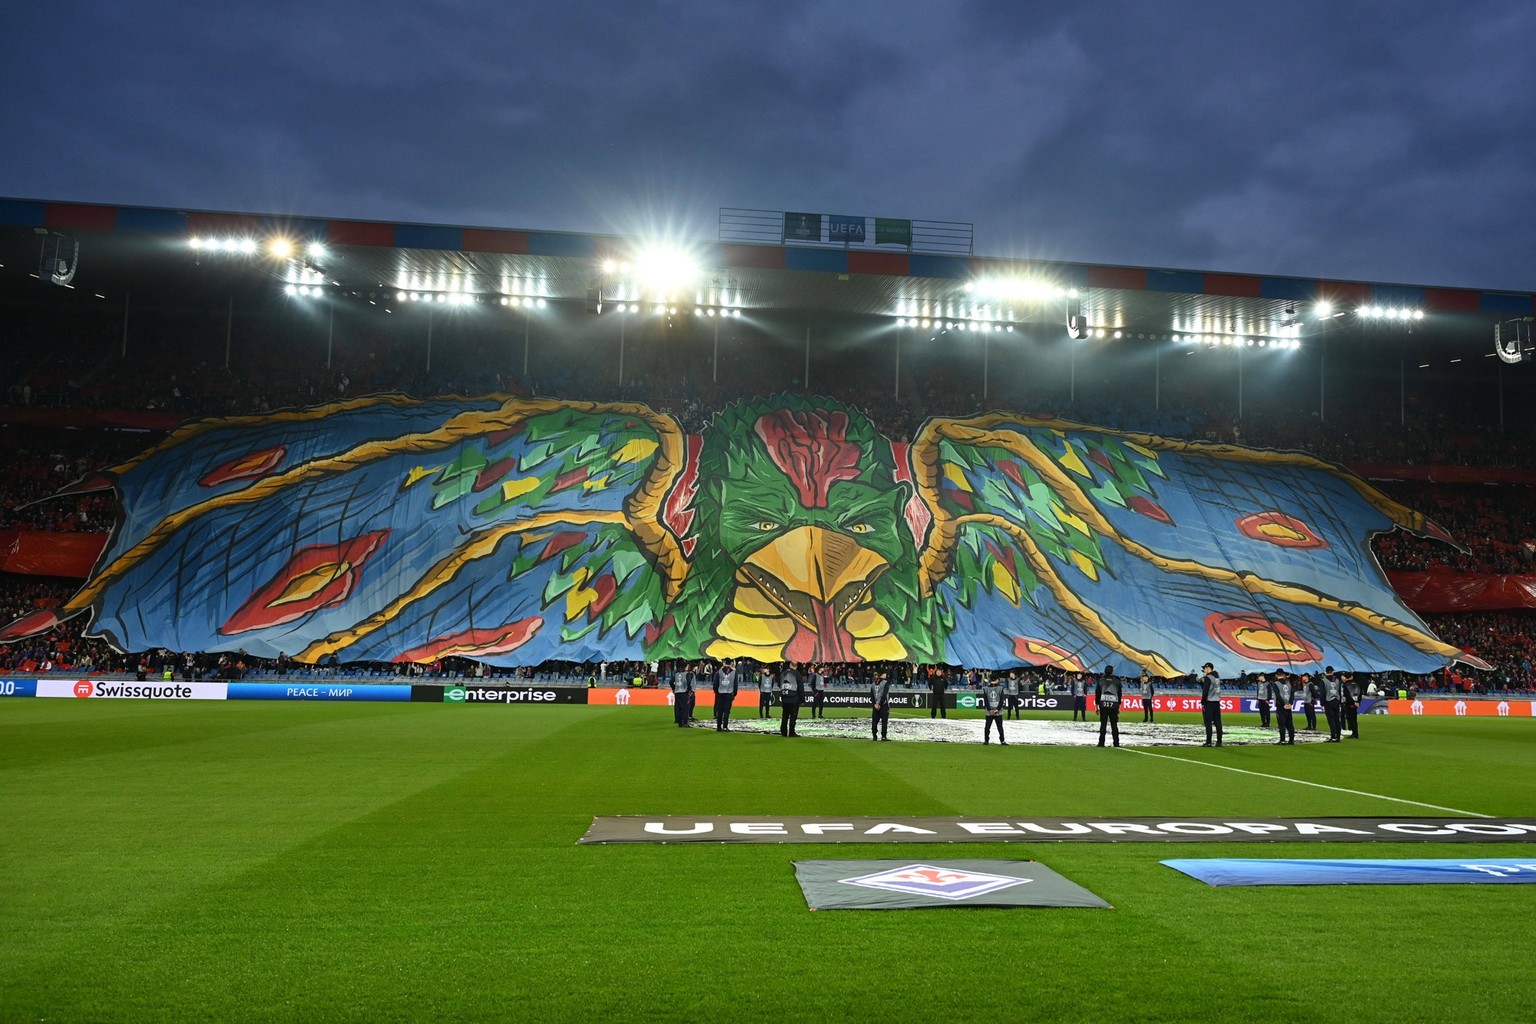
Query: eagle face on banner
column 516, row 531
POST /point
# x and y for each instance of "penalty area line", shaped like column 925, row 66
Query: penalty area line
column 1304, row 782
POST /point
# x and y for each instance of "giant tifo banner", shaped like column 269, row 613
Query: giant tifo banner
column 516, row 531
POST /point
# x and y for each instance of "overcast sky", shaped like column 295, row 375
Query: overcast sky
column 1371, row 140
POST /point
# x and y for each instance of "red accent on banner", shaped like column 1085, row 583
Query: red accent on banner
column 27, row 625
column 810, row 448
column 475, row 643
column 1463, row 591
column 559, row 542
column 245, row 467
column 1259, row 638
column 1150, row 509
column 316, row 577
column 1042, row 652
column 91, row 483
column 46, row 553
column 916, row 512
column 677, row 511
column 1279, row 529
column 1442, row 474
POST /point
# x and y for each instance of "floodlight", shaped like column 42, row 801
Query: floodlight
column 281, row 248
column 316, row 251
column 666, row 267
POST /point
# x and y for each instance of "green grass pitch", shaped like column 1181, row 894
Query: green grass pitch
column 253, row 861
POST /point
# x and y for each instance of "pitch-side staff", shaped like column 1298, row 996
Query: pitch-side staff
column 791, row 696
column 993, row 700
column 1106, row 692
column 725, row 696
column 880, row 707
column 682, row 694
column 1282, row 690
column 765, row 685
column 1210, row 702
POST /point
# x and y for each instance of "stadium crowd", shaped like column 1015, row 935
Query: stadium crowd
column 83, row 369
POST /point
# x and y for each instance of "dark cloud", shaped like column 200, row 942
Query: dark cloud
column 1383, row 141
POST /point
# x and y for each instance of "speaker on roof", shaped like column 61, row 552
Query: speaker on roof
column 1076, row 327
column 1512, row 338
column 61, row 258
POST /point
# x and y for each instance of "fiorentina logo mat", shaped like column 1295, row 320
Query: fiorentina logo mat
column 927, row 880
column 903, row 885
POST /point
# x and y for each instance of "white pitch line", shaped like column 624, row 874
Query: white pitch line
column 1304, row 782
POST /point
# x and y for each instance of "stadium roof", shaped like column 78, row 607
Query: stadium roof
column 109, row 250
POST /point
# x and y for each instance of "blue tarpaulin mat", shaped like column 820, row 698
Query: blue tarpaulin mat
column 1224, row 871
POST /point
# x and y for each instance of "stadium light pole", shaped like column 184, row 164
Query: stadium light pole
column 805, row 380
column 1322, row 383
column 1072, row 369
column 986, row 351
column 1240, row 380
